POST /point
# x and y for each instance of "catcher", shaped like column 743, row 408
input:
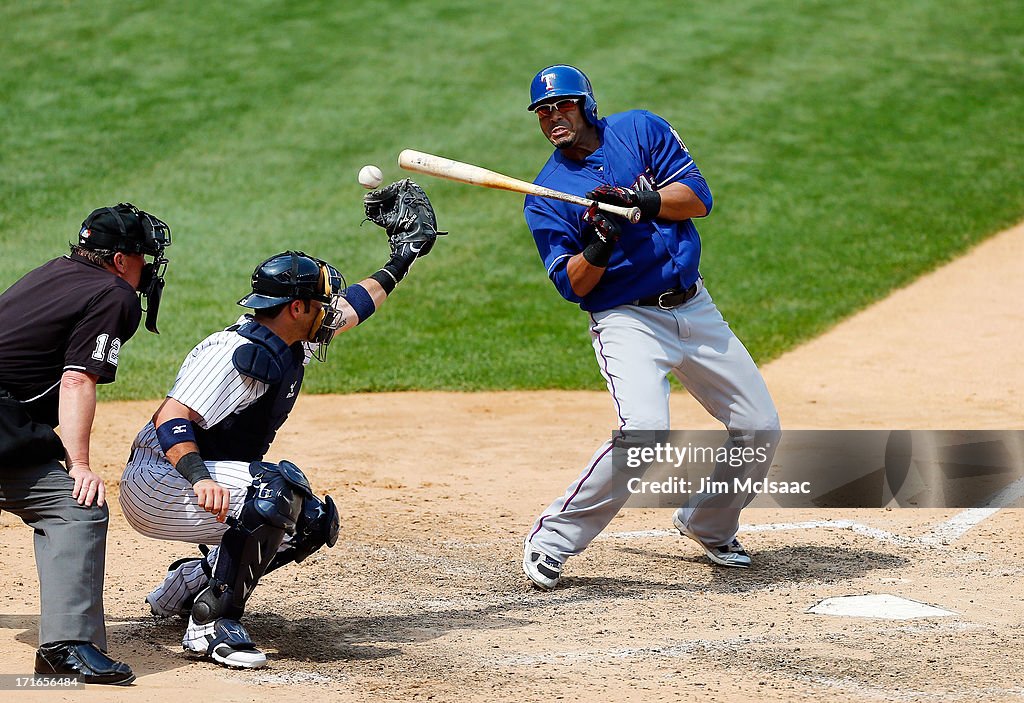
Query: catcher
column 197, row 473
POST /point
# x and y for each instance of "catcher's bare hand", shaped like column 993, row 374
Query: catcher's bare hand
column 213, row 498
column 405, row 213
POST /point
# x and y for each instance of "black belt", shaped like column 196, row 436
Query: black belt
column 672, row 298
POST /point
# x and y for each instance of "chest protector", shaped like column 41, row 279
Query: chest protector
column 247, row 435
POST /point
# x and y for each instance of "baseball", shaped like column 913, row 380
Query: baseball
column 370, row 177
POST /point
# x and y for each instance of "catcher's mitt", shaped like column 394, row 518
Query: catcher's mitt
column 405, row 213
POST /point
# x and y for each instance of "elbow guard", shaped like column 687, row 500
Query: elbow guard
column 175, row 432
column 361, row 302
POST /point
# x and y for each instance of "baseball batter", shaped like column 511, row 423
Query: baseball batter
column 197, row 472
column 648, row 310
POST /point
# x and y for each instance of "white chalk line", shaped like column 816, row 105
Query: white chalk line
column 958, row 525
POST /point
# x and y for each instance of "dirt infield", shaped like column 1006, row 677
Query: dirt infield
column 423, row 597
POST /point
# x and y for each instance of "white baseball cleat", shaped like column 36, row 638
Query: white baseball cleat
column 543, row 570
column 226, row 642
column 731, row 554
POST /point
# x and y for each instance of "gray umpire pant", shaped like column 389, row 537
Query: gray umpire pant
column 70, row 548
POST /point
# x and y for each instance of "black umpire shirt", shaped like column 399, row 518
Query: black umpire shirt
column 67, row 315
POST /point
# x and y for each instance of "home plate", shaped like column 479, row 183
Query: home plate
column 878, row 605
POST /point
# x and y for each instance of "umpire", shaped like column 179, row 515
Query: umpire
column 62, row 327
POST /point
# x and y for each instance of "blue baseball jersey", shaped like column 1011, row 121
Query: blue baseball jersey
column 638, row 150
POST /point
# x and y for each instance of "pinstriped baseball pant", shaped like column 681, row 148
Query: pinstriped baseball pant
column 637, row 348
column 158, row 501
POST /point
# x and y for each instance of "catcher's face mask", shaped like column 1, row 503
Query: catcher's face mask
column 326, row 322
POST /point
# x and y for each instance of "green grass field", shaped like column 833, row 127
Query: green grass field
column 850, row 147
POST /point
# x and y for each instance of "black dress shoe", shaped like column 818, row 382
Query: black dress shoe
column 84, row 661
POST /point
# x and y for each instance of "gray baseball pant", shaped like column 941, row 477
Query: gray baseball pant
column 70, row 548
column 637, row 347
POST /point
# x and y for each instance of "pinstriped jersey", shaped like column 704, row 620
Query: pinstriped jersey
column 210, row 385
column 638, row 150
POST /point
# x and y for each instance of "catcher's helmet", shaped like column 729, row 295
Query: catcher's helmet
column 293, row 275
column 563, row 80
column 124, row 228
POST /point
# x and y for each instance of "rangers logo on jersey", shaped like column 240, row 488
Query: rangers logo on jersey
column 645, row 181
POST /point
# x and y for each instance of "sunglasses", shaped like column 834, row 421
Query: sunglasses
column 562, row 106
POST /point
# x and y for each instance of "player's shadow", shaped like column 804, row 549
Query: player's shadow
column 349, row 638
column 772, row 567
column 155, row 644
column 345, row 637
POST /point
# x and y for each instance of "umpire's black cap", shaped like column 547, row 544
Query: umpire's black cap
column 123, row 227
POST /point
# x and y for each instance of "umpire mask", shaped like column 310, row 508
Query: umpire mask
column 151, row 286
column 127, row 229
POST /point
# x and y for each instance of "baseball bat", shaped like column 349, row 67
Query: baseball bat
column 441, row 167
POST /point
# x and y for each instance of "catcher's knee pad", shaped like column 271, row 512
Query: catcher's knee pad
column 272, row 508
column 318, row 525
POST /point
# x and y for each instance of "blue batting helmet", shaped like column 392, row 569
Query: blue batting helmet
column 563, row 80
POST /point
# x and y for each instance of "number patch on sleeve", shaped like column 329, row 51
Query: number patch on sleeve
column 101, row 351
